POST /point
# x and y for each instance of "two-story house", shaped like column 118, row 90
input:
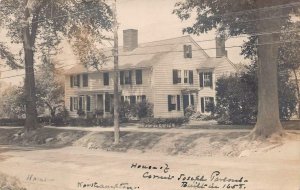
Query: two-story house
column 172, row 74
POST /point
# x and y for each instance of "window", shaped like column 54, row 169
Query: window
column 187, row 49
column 85, row 80
column 88, row 103
column 176, row 76
column 139, row 76
column 206, row 79
column 125, row 77
column 74, row 80
column 132, row 100
column 106, row 79
column 205, row 102
column 107, row 102
column 186, row 76
column 173, row 102
column 141, row 98
column 75, row 103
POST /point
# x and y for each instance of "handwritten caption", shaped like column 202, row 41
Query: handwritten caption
column 215, row 180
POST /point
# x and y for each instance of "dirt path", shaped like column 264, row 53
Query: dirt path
column 71, row 167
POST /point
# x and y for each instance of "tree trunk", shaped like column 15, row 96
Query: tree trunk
column 31, row 122
column 298, row 92
column 116, row 78
column 268, row 122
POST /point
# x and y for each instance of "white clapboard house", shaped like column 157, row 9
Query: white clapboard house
column 172, row 74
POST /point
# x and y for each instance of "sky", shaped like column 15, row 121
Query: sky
column 154, row 21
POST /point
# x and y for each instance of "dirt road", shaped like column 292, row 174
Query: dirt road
column 74, row 168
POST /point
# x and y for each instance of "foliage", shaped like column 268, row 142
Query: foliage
column 12, row 102
column 217, row 14
column 237, row 98
column 83, row 122
column 189, row 111
column 164, row 122
column 144, row 109
column 139, row 110
column 50, row 87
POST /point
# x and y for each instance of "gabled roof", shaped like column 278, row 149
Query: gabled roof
column 145, row 55
column 213, row 62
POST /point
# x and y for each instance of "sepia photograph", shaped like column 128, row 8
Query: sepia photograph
column 149, row 94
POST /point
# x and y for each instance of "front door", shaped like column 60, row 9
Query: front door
column 185, row 102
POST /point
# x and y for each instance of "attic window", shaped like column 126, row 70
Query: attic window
column 187, row 50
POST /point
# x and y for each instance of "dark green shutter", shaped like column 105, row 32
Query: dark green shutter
column 178, row 102
column 71, row 81
column 191, row 77
column 71, row 104
column 201, row 79
column 88, row 103
column 85, row 80
column 121, row 77
column 169, row 103
column 175, row 77
column 202, row 105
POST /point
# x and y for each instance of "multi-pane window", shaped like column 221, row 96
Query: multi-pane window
column 75, row 103
column 125, row 77
column 205, row 103
column 106, row 79
column 173, row 102
column 176, row 76
column 186, row 76
column 206, row 79
column 75, row 80
column 139, row 76
column 187, row 50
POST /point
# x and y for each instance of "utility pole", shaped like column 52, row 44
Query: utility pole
column 116, row 76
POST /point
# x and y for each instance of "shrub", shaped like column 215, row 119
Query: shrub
column 102, row 122
column 144, row 109
column 237, row 100
column 12, row 122
column 189, row 111
column 164, row 122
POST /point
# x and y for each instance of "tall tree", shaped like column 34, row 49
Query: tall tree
column 233, row 18
column 38, row 25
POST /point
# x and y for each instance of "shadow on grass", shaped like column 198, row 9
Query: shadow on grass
column 141, row 141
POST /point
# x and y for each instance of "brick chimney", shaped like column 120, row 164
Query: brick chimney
column 130, row 39
column 220, row 47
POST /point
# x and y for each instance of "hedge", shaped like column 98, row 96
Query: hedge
column 164, row 122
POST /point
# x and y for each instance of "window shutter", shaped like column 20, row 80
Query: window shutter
column 202, row 105
column 178, row 102
column 139, row 76
column 130, row 77
column 190, row 52
column 132, row 100
column 175, row 77
column 80, row 103
column 210, row 80
column 71, row 104
column 191, row 77
column 88, row 103
column 169, row 103
column 121, row 77
column 185, row 49
column 85, row 80
column 192, row 100
column 78, row 80
column 71, row 81
column 105, row 79
column 201, row 79
column 107, row 102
